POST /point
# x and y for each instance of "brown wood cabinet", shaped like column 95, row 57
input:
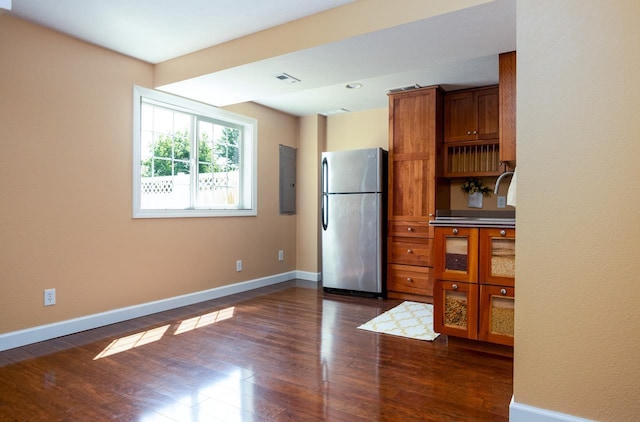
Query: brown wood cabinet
column 474, row 291
column 456, row 308
column 416, row 189
column 471, row 115
column 507, row 91
column 471, row 133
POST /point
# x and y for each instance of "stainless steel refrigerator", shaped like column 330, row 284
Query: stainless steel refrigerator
column 354, row 185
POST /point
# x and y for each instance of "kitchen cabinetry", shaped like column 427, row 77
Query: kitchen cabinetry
column 471, row 130
column 474, row 291
column 416, row 189
column 471, row 115
column 507, row 94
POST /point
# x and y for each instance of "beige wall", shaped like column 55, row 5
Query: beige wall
column 578, row 319
column 65, row 191
column 358, row 130
column 311, row 143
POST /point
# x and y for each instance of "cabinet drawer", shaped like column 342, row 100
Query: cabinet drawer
column 455, row 307
column 498, row 256
column 410, row 250
column 410, row 229
column 497, row 310
column 457, row 254
column 410, row 279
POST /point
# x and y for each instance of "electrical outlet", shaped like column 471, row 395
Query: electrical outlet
column 238, row 265
column 280, row 255
column 502, row 202
column 49, row 297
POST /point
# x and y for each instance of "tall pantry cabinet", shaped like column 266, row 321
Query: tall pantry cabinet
column 416, row 190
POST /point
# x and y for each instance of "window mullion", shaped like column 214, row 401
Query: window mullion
column 193, row 159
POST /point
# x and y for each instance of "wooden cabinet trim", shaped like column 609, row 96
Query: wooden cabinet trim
column 507, row 93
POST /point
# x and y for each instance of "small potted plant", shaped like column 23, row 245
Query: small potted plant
column 476, row 191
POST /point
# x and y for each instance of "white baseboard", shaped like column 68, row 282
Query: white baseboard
column 525, row 413
column 305, row 275
column 46, row 332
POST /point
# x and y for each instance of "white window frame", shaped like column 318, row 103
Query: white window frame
column 249, row 155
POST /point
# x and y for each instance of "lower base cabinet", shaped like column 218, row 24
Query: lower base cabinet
column 474, row 293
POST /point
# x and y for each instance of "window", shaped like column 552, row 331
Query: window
column 191, row 159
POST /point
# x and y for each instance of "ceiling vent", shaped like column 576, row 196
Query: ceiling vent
column 404, row 88
column 336, row 111
column 286, row 78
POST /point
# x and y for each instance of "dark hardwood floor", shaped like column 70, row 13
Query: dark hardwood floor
column 287, row 352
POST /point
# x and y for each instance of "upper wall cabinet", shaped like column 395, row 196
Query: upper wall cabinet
column 471, row 115
column 471, row 129
column 508, row 108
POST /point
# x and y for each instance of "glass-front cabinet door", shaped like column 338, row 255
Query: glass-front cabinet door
column 497, row 310
column 457, row 308
column 457, row 254
column 498, row 256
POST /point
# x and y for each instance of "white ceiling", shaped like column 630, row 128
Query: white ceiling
column 455, row 50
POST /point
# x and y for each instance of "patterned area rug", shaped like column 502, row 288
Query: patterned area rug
column 409, row 319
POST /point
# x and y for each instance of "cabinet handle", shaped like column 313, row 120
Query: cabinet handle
column 469, row 133
column 503, row 292
column 475, row 132
column 409, row 229
column 454, row 287
column 409, row 279
column 455, row 231
column 409, row 251
column 430, row 214
column 503, row 232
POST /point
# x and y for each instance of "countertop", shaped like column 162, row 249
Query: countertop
column 467, row 218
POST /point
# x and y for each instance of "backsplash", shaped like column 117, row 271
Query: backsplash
column 459, row 198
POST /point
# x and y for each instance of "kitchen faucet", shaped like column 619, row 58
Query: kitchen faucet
column 506, row 173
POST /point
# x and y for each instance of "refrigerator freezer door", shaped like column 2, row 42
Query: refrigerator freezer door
column 351, row 243
column 352, row 171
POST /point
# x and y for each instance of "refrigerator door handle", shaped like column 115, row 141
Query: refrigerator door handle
column 325, row 194
column 325, row 211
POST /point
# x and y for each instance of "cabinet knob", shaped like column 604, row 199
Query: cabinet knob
column 409, row 251
column 454, row 231
column 430, row 214
column 503, row 232
column 409, row 279
column 454, row 287
column 475, row 132
column 409, row 229
column 503, row 292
